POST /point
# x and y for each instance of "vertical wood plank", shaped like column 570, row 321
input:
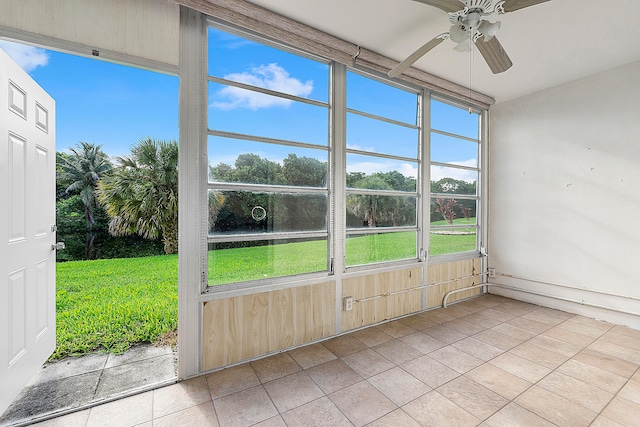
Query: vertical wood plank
column 384, row 304
column 450, row 271
column 239, row 328
column 255, row 332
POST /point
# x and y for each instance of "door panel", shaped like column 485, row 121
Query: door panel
column 27, row 219
column 17, row 316
column 16, row 187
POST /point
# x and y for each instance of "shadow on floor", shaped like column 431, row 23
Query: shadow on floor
column 75, row 382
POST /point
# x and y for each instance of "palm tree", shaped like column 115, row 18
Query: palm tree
column 141, row 195
column 80, row 172
column 370, row 208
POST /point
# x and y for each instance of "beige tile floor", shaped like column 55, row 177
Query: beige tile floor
column 487, row 362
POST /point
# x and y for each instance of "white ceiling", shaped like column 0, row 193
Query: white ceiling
column 550, row 44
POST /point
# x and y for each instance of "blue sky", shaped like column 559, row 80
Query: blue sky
column 236, row 110
column 100, row 102
column 116, row 106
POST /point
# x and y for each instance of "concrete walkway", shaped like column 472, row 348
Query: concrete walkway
column 74, row 382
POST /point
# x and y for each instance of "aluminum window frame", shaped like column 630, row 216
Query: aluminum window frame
column 337, row 151
column 479, row 168
column 270, row 188
column 418, row 160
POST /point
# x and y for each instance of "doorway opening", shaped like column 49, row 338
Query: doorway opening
column 117, row 277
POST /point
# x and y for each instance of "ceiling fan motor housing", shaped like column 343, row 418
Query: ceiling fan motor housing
column 469, row 21
column 476, row 7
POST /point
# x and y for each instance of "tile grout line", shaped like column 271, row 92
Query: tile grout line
column 617, row 393
column 396, row 339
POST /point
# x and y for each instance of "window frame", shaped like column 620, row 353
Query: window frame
column 337, row 151
column 418, row 160
column 267, row 188
column 479, row 197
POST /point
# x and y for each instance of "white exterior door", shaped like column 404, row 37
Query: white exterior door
column 27, row 220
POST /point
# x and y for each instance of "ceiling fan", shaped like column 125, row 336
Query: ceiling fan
column 469, row 24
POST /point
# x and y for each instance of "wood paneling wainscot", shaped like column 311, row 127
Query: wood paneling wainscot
column 243, row 327
column 468, row 271
column 387, row 301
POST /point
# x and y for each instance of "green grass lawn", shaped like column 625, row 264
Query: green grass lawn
column 451, row 243
column 111, row 304
column 457, row 221
column 258, row 262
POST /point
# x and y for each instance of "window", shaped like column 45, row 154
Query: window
column 455, row 173
column 382, row 161
column 272, row 208
column 268, row 161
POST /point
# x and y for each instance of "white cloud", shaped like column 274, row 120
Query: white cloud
column 409, row 170
column 361, row 148
column 272, row 77
column 439, row 172
column 27, row 57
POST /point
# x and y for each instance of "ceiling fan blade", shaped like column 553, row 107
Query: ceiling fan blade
column 511, row 5
column 446, row 5
column 495, row 55
column 399, row 69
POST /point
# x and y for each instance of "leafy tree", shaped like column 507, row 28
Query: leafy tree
column 378, row 210
column 249, row 168
column 353, row 178
column 222, row 172
column 216, row 201
column 465, row 207
column 446, row 208
column 80, row 171
column 284, row 211
column 71, row 230
column 61, row 184
column 466, row 212
column 141, row 195
column 372, row 209
column 397, row 181
column 451, row 185
column 304, row 171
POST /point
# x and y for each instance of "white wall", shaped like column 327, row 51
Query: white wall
column 565, row 194
column 146, row 29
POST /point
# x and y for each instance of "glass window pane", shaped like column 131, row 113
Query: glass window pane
column 373, row 97
column 449, row 243
column 458, row 212
column 372, row 248
column 244, row 261
column 380, row 211
column 241, row 161
column 238, row 212
column 375, row 136
column 238, row 59
column 453, row 180
column 377, row 173
column 455, row 151
column 448, row 118
column 253, row 113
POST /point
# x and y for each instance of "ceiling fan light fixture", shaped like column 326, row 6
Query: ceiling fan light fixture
column 468, row 24
column 463, row 46
column 489, row 29
column 458, row 32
